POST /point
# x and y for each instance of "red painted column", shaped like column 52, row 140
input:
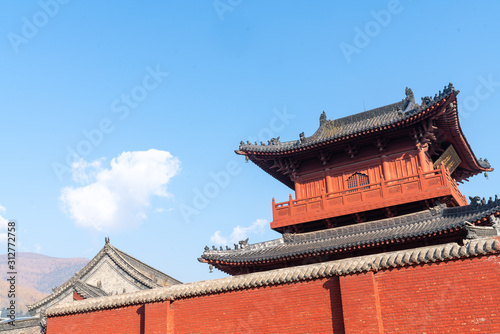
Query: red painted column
column 361, row 304
column 423, row 160
column 386, row 168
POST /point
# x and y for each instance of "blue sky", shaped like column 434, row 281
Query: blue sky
column 154, row 97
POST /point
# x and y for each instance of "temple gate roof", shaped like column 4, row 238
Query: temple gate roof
column 436, row 223
column 368, row 124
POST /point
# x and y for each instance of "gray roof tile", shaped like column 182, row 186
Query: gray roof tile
column 367, row 120
column 412, row 225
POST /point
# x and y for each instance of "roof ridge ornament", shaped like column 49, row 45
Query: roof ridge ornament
column 495, row 223
column 447, row 90
column 273, row 141
column 438, row 209
column 302, row 137
column 243, row 243
column 409, row 95
column 322, row 118
column 476, row 232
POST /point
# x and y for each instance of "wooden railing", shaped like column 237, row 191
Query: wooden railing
column 420, row 186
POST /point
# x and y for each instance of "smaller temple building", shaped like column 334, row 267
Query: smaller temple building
column 111, row 272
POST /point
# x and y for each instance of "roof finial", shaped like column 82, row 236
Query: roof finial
column 106, row 240
column 409, row 95
column 243, row 243
column 302, row 137
column 322, row 118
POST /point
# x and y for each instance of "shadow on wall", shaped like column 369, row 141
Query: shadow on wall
column 141, row 312
column 333, row 287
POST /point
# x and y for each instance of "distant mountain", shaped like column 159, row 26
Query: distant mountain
column 37, row 275
column 24, row 296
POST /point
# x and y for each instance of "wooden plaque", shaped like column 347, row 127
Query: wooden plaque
column 450, row 159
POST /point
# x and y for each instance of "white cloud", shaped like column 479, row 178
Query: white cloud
column 117, row 197
column 218, row 239
column 239, row 233
column 84, row 172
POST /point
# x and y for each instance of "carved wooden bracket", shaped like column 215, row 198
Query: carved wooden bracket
column 325, row 156
column 425, row 134
column 287, row 166
column 381, row 143
column 352, row 150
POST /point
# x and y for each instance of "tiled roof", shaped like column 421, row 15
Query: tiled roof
column 422, row 223
column 146, row 270
column 28, row 324
column 365, row 121
column 145, row 276
column 87, row 291
column 375, row 262
column 333, row 135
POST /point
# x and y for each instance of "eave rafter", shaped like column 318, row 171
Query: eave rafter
column 286, row 166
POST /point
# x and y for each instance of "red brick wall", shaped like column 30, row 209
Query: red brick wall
column 460, row 296
column 306, row 307
column 360, row 303
column 149, row 318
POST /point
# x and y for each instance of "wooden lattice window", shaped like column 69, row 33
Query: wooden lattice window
column 357, row 180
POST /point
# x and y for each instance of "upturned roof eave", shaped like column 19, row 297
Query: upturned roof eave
column 301, row 256
column 405, row 122
column 472, row 165
column 461, row 141
column 449, row 221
